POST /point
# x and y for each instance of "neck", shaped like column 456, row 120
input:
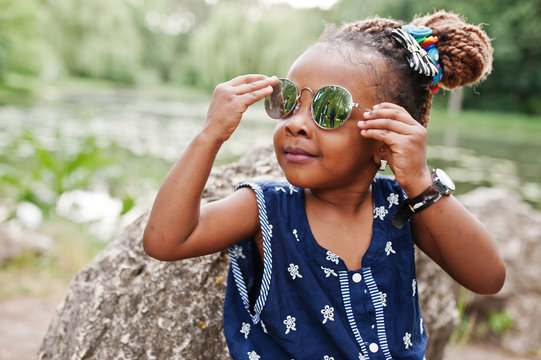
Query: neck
column 349, row 200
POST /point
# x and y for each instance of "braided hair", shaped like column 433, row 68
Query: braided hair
column 465, row 57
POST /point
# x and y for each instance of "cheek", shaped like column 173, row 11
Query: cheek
column 278, row 136
column 353, row 147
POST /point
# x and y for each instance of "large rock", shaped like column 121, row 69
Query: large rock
column 125, row 305
column 516, row 228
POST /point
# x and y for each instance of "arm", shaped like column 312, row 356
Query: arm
column 178, row 227
column 446, row 231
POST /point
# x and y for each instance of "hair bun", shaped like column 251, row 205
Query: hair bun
column 465, row 49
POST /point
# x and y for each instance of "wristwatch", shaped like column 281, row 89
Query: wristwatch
column 442, row 186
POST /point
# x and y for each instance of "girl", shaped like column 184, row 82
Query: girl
column 322, row 267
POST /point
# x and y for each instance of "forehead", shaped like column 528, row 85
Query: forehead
column 324, row 64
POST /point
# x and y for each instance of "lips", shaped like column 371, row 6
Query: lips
column 298, row 155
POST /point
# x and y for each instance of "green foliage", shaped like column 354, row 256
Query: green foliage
column 21, row 49
column 19, row 44
column 191, row 42
column 95, row 38
column 237, row 40
column 499, row 322
column 34, row 172
column 165, row 28
column 515, row 30
column 39, row 169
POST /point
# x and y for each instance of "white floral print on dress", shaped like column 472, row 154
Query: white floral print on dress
column 392, row 199
column 282, row 189
column 332, row 257
column 252, row 355
column 295, row 232
column 380, row 212
column 237, row 253
column 414, row 286
column 289, row 322
column 328, row 271
column 407, row 340
column 328, row 313
column 389, row 248
column 294, row 271
column 245, row 329
column 327, row 357
column 361, row 357
column 421, row 326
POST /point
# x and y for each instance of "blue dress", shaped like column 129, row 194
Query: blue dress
column 303, row 303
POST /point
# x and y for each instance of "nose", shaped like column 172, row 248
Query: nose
column 301, row 121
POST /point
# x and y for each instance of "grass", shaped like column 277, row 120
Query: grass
column 48, row 275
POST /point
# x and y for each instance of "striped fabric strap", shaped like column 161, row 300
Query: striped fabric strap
column 375, row 295
column 346, row 298
column 266, row 230
column 417, row 57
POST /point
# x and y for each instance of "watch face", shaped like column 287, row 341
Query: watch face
column 445, row 179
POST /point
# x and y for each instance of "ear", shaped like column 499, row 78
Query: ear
column 379, row 152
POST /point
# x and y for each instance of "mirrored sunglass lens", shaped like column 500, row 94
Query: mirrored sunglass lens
column 281, row 101
column 331, row 106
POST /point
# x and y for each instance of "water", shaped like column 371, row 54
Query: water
column 160, row 125
column 156, row 125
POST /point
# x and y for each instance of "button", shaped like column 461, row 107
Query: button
column 357, row 277
column 374, row 347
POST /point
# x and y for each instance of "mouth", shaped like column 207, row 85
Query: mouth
column 298, row 155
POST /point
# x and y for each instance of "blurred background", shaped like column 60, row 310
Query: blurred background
column 98, row 98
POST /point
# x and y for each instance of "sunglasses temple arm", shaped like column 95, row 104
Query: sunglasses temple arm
column 360, row 106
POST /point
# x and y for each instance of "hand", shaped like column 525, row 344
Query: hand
column 404, row 145
column 231, row 99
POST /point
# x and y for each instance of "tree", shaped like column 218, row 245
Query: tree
column 20, row 47
column 515, row 29
column 95, row 38
column 239, row 38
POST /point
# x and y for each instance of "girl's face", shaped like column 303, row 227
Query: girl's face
column 316, row 158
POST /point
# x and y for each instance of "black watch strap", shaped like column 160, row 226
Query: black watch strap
column 402, row 215
column 411, row 206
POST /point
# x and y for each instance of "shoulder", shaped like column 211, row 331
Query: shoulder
column 270, row 187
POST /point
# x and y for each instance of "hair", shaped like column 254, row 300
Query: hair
column 465, row 57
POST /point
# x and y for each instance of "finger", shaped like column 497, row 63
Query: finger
column 254, row 86
column 388, row 105
column 385, row 124
column 394, row 113
column 389, row 138
column 246, row 79
column 251, row 97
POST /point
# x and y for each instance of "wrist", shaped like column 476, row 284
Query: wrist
column 441, row 185
column 418, row 185
column 212, row 135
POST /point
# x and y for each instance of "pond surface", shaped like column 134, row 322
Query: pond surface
column 161, row 124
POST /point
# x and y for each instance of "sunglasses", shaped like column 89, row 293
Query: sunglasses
column 331, row 105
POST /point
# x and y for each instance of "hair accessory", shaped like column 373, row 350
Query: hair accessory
column 422, row 55
column 382, row 165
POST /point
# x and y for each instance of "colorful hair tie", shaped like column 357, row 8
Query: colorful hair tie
column 423, row 56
